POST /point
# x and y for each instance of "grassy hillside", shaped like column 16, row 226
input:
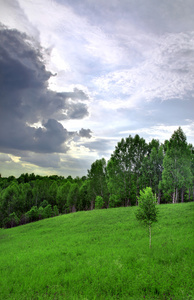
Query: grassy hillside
column 100, row 254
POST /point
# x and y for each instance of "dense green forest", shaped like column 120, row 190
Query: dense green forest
column 167, row 168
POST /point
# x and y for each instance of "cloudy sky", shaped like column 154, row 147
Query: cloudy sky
column 76, row 76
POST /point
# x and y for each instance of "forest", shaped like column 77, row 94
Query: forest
column 168, row 168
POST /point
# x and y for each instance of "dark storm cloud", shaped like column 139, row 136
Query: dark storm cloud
column 45, row 161
column 87, row 133
column 102, row 146
column 21, row 63
column 52, row 131
column 25, row 99
column 76, row 94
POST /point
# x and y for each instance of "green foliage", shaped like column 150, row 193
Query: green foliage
column 44, row 203
column 168, row 169
column 114, row 201
column 177, row 173
column 84, row 203
column 100, row 254
column 62, row 195
column 33, row 215
column 53, row 193
column 147, row 211
column 26, row 196
column 11, row 200
column 55, row 211
column 11, row 221
column 123, row 169
column 73, row 197
column 99, row 202
column 41, row 213
column 152, row 168
column 97, row 177
column 48, row 212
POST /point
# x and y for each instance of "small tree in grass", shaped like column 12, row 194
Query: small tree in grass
column 147, row 211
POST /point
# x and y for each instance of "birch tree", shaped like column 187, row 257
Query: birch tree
column 124, row 169
column 177, row 175
column 97, row 178
column 147, row 211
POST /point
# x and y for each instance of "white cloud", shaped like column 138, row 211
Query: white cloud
column 117, row 103
column 74, row 37
column 163, row 132
column 166, row 72
column 12, row 15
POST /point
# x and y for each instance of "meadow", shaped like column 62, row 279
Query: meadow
column 100, row 254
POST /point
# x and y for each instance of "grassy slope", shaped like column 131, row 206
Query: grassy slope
column 100, row 254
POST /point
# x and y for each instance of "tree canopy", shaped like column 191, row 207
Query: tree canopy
column 167, row 168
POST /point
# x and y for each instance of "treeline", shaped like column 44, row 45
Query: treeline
column 167, row 168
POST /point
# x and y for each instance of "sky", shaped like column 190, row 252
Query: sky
column 77, row 76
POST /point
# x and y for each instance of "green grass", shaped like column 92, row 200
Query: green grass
column 100, row 254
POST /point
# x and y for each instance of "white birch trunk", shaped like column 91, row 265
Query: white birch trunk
column 176, row 195
column 173, row 197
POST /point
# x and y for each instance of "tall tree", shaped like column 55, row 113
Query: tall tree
column 97, row 177
column 11, row 202
column 27, row 196
column 191, row 188
column 124, row 169
column 152, row 167
column 84, row 199
column 62, row 194
column 41, row 190
column 73, row 197
column 52, row 193
column 117, row 182
column 177, row 175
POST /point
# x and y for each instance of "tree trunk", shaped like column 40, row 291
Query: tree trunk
column 36, row 200
column 182, row 195
column 129, row 199
column 159, row 196
column 150, row 235
column 173, row 197
column 73, row 209
column 92, row 205
column 176, row 195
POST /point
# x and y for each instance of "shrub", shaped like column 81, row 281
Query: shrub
column 99, row 202
column 33, row 214
column 114, row 201
column 44, row 203
column 55, row 210
column 48, row 212
column 11, row 221
column 41, row 213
